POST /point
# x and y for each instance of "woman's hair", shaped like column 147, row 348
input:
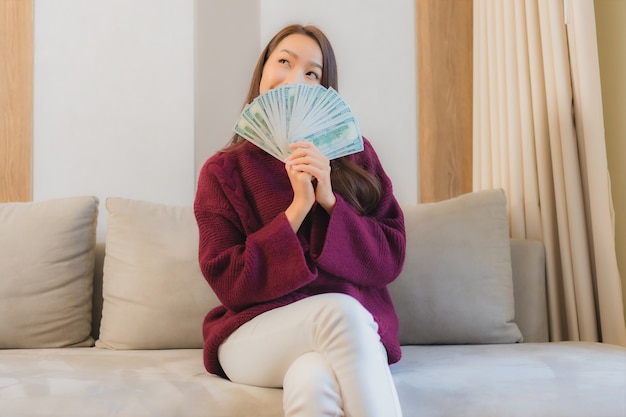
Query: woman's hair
column 357, row 186
column 329, row 64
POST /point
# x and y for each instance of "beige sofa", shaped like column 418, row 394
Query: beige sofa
column 125, row 340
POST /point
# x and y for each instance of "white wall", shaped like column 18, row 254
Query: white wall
column 227, row 48
column 374, row 42
column 130, row 97
column 113, row 100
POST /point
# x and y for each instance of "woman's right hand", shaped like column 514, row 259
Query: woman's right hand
column 303, row 196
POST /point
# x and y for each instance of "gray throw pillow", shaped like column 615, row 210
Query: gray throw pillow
column 46, row 272
column 456, row 286
column 154, row 294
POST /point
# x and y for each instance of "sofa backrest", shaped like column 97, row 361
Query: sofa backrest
column 464, row 281
column 529, row 281
column 528, row 261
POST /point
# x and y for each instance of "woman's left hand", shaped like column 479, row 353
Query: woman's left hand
column 307, row 158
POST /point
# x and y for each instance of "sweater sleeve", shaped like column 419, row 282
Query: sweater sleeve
column 366, row 250
column 244, row 267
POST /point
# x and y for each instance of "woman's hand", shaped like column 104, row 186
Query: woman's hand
column 309, row 172
column 306, row 158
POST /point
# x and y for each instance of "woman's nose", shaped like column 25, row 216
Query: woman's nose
column 294, row 77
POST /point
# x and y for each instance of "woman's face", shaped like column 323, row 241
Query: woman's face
column 296, row 59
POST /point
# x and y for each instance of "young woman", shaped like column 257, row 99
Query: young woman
column 300, row 254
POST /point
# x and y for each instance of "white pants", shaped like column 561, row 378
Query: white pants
column 324, row 351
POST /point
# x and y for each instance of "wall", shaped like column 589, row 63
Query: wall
column 16, row 99
column 445, row 84
column 611, row 29
column 226, row 48
column 114, row 100
column 130, row 98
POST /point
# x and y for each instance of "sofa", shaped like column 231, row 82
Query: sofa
column 111, row 326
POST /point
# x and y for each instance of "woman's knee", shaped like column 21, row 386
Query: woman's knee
column 346, row 309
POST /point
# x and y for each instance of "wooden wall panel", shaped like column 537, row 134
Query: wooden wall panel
column 444, row 82
column 16, row 103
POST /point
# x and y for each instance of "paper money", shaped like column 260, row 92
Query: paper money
column 300, row 112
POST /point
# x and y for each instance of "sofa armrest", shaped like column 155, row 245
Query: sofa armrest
column 528, row 261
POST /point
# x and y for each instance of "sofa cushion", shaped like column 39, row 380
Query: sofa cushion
column 560, row 379
column 456, row 286
column 96, row 382
column 154, row 295
column 46, row 272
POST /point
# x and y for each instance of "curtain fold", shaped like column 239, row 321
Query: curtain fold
column 597, row 188
column 538, row 133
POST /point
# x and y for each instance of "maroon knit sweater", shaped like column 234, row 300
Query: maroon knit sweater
column 254, row 261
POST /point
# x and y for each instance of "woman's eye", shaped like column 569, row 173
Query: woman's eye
column 283, row 61
column 313, row 75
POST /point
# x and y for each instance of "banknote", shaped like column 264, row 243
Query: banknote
column 300, row 112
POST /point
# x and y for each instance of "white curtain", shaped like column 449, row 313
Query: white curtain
column 539, row 134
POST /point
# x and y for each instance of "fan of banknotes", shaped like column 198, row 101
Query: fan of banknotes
column 300, row 112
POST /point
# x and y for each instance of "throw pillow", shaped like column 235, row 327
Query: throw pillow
column 46, row 272
column 456, row 286
column 154, row 294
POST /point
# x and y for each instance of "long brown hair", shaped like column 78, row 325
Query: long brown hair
column 356, row 185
